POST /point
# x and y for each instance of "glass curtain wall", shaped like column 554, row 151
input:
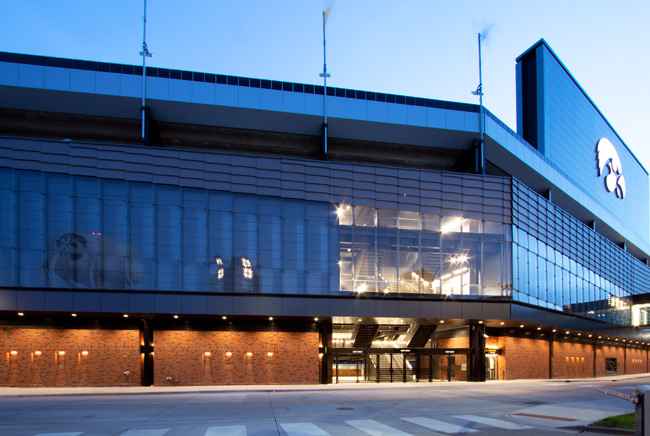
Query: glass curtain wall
column 402, row 252
column 545, row 277
column 66, row 231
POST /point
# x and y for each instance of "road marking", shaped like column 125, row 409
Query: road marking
column 546, row 417
column 375, row 428
column 436, row 425
column 73, row 433
column 303, row 429
column 147, row 432
column 492, row 422
column 227, row 430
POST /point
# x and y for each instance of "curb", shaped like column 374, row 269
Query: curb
column 585, row 429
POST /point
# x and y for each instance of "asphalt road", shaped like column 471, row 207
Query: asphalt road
column 494, row 408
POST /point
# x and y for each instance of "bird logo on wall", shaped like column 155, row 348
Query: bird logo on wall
column 609, row 163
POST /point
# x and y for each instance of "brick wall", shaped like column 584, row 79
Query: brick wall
column 37, row 360
column 460, row 360
column 572, row 360
column 523, row 358
column 637, row 361
column 180, row 358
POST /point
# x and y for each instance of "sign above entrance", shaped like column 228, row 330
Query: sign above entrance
column 609, row 165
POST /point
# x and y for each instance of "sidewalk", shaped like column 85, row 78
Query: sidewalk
column 143, row 390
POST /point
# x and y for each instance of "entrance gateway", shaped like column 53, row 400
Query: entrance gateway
column 405, row 352
column 401, row 365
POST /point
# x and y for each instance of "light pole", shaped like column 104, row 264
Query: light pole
column 324, row 75
column 479, row 164
column 145, row 54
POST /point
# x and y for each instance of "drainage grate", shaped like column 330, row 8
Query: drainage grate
column 345, row 408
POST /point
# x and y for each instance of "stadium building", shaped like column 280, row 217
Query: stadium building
column 237, row 244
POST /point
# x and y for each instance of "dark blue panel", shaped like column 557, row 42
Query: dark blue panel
column 7, row 299
column 59, row 301
column 168, row 303
column 219, row 305
column 87, row 302
column 244, row 305
column 141, row 303
column 114, row 302
column 195, row 304
column 30, row 300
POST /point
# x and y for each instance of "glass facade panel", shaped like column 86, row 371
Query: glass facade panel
column 409, row 252
column 84, row 232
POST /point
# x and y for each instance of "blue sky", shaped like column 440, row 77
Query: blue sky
column 412, row 47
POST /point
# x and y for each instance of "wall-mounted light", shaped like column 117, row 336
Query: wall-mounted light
column 249, row 354
column 37, row 353
column 320, row 355
column 539, row 328
column 73, row 314
column 269, row 354
column 521, row 326
column 13, row 353
column 224, row 317
column 207, row 354
column 316, row 319
column 554, row 331
column 228, row 353
column 442, row 321
column 21, row 314
column 126, row 315
column 480, row 322
column 84, row 353
column 61, row 353
column 270, row 318
column 502, row 323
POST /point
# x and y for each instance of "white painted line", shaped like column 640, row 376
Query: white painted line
column 375, row 428
column 303, row 429
column 436, row 425
column 492, row 422
column 227, row 430
column 73, row 433
column 147, row 432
